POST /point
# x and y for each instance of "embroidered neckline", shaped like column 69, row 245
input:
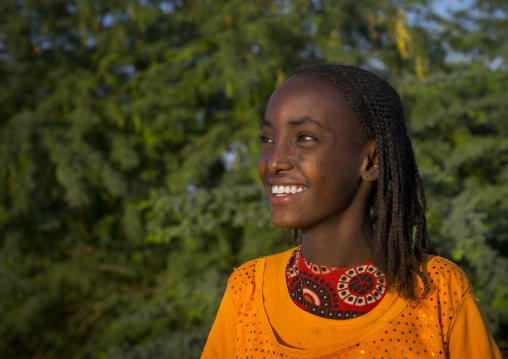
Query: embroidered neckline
column 335, row 293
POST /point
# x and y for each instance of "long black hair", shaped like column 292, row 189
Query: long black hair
column 397, row 203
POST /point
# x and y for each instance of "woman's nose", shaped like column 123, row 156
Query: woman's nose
column 279, row 158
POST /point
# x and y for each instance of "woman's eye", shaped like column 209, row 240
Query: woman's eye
column 306, row 137
column 264, row 139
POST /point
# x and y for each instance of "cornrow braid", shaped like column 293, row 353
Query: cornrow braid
column 400, row 240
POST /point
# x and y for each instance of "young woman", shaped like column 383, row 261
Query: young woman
column 337, row 165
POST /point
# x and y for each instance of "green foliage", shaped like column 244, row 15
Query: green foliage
column 459, row 128
column 128, row 188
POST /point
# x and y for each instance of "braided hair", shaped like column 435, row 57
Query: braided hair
column 397, row 201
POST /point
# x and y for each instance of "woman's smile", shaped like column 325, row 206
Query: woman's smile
column 286, row 190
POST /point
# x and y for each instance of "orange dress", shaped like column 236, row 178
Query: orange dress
column 258, row 319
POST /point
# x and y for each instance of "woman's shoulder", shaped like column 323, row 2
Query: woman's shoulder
column 442, row 270
column 245, row 274
column 448, row 282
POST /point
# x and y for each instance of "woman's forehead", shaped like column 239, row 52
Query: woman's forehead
column 309, row 100
column 306, row 94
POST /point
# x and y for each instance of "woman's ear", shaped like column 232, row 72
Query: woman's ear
column 370, row 168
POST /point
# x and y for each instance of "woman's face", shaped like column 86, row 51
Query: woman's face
column 311, row 159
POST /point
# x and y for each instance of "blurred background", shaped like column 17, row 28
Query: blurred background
column 128, row 149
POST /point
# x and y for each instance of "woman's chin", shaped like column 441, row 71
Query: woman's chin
column 284, row 222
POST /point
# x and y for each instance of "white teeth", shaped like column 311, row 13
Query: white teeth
column 286, row 189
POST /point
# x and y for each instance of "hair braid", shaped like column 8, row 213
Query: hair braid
column 398, row 199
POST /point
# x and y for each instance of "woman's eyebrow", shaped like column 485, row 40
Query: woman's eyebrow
column 304, row 119
column 295, row 122
column 266, row 123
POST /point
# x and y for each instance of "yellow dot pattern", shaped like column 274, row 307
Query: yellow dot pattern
column 419, row 330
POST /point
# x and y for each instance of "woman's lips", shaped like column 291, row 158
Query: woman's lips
column 282, row 195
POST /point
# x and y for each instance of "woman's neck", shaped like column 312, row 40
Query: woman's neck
column 343, row 245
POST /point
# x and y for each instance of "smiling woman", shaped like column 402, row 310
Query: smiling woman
column 337, row 165
column 310, row 140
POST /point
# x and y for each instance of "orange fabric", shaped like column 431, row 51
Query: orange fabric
column 257, row 319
